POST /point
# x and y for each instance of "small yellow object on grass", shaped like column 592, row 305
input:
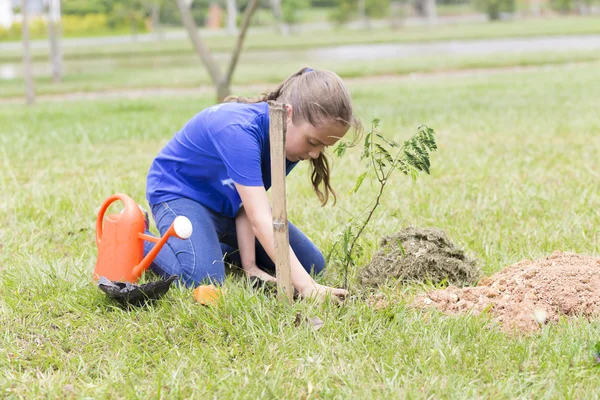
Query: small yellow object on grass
column 207, row 294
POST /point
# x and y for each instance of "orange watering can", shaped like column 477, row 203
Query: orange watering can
column 121, row 241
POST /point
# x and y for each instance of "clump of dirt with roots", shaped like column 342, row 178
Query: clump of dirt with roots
column 419, row 255
column 521, row 298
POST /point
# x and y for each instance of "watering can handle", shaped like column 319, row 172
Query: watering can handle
column 128, row 201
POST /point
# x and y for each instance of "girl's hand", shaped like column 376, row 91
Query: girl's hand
column 320, row 292
column 252, row 270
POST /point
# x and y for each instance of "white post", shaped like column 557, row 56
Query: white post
column 431, row 10
column 27, row 69
column 54, row 33
column 7, row 16
column 231, row 17
column 284, row 29
column 362, row 14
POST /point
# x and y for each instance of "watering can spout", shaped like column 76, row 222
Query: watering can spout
column 181, row 228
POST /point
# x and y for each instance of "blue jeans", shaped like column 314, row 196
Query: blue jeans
column 202, row 257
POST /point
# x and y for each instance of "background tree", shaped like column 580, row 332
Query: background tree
column 362, row 13
column 343, row 11
column 495, row 8
column 54, row 33
column 377, row 9
column 283, row 27
column 221, row 81
column 291, row 9
column 397, row 13
column 83, row 7
column 231, row 17
column 154, row 7
column 129, row 12
column 364, row 10
column 430, row 11
column 426, row 9
column 28, row 71
column 121, row 13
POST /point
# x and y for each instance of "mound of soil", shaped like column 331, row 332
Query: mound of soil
column 419, row 255
column 528, row 294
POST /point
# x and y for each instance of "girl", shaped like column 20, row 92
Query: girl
column 216, row 171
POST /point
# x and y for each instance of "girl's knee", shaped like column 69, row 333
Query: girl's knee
column 200, row 273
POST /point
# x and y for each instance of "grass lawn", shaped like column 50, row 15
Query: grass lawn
column 319, row 38
column 516, row 176
column 186, row 71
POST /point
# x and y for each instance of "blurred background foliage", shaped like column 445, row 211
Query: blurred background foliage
column 105, row 17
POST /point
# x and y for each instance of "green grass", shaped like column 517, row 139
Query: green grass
column 516, row 176
column 188, row 72
column 267, row 40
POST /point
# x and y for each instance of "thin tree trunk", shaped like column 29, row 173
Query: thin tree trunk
column 133, row 24
column 240, row 40
column 231, row 17
column 54, row 28
column 362, row 13
column 582, row 7
column 155, row 11
column 397, row 11
column 222, row 82
column 431, row 11
column 28, row 74
column 202, row 50
column 534, row 8
column 284, row 29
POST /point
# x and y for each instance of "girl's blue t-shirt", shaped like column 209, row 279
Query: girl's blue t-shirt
column 224, row 144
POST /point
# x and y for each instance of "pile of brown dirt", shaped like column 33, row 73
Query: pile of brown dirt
column 419, row 255
column 528, row 294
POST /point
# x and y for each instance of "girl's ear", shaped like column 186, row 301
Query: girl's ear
column 289, row 112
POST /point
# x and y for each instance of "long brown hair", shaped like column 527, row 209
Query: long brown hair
column 318, row 97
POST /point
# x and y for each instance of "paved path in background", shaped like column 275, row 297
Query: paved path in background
column 381, row 51
column 457, row 47
column 130, row 94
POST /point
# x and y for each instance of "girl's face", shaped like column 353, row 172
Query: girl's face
column 304, row 141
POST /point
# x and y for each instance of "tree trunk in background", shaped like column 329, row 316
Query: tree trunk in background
column 27, row 70
column 426, row 9
column 240, row 40
column 583, row 8
column 284, row 29
column 397, row 14
column 222, row 82
column 133, row 24
column 362, row 14
column 431, row 11
column 54, row 33
column 231, row 17
column 155, row 12
column 535, row 8
column 199, row 46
